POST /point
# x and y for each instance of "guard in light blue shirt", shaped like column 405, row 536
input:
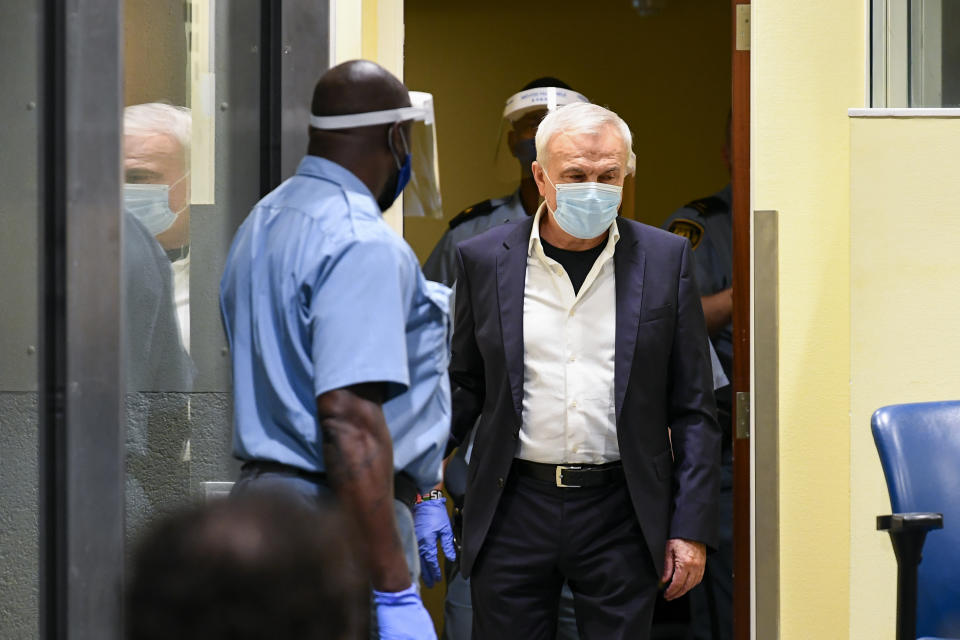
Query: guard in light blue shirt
column 316, row 261
column 339, row 344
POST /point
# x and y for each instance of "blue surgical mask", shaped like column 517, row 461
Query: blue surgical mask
column 404, row 172
column 150, row 204
column 586, row 209
column 403, row 178
column 526, row 152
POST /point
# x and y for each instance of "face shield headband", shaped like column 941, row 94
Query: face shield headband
column 549, row 98
column 422, row 195
column 537, row 99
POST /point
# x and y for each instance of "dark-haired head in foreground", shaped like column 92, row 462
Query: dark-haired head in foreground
column 248, row 568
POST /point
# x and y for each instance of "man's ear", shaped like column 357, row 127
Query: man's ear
column 396, row 140
column 538, row 177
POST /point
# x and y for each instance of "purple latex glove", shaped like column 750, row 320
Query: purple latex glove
column 401, row 615
column 430, row 521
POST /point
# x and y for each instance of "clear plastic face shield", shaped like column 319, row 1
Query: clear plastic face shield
column 422, row 193
column 522, row 114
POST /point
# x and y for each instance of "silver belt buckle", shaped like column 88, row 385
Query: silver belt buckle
column 560, row 470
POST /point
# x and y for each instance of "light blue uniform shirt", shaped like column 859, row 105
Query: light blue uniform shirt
column 319, row 293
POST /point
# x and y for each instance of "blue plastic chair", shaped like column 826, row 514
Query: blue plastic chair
column 919, row 447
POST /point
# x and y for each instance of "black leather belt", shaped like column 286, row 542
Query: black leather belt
column 404, row 487
column 571, row 475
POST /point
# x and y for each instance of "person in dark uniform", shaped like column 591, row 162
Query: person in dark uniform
column 524, row 111
column 707, row 224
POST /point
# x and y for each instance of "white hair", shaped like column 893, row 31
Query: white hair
column 579, row 118
column 154, row 118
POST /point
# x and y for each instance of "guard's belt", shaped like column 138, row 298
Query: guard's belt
column 404, row 487
column 571, row 475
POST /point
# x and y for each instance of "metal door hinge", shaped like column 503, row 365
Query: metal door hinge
column 743, row 415
column 743, row 27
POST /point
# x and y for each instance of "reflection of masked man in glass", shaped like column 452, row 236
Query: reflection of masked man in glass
column 156, row 149
column 156, row 273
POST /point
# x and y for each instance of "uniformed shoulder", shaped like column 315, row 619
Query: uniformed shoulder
column 689, row 228
column 708, row 206
column 475, row 211
column 480, row 247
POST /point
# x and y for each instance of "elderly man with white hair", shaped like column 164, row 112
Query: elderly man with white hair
column 156, row 161
column 580, row 344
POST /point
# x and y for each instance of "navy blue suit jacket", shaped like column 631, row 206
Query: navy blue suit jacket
column 662, row 380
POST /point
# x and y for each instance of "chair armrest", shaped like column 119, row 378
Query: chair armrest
column 907, row 533
column 906, row 522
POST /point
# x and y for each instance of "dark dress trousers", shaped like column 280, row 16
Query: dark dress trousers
column 662, row 380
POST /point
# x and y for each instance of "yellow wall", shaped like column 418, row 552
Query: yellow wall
column 155, row 52
column 905, row 257
column 668, row 76
column 373, row 30
column 808, row 69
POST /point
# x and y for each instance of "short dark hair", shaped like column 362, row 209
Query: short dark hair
column 248, row 568
column 547, row 81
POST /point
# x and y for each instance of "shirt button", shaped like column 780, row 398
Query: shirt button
column 573, row 405
column 572, row 359
column 500, row 482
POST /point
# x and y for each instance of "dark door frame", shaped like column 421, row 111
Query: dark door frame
column 81, row 452
column 740, row 139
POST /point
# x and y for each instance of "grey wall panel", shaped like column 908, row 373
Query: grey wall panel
column 175, row 442
column 237, row 63
column 305, row 55
column 19, row 201
column 211, row 458
column 18, row 516
column 157, row 464
column 19, row 223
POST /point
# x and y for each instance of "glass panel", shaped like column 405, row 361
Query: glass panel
column 19, row 216
column 916, row 53
column 192, row 73
column 950, row 47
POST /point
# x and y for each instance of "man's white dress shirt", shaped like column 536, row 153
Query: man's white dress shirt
column 569, row 340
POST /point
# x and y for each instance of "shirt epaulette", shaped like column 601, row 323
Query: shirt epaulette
column 707, row 206
column 477, row 210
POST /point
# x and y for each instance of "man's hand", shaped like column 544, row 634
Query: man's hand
column 682, row 566
column 430, row 521
column 718, row 310
column 401, row 616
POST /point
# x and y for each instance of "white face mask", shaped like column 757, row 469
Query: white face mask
column 586, row 209
column 150, row 204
